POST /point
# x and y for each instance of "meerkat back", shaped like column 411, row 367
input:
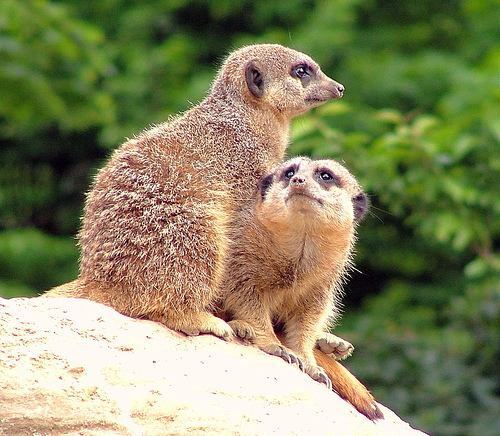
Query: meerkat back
column 153, row 237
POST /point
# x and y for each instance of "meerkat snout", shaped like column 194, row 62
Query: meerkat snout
column 298, row 181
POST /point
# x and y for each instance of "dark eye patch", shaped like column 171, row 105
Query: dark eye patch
column 289, row 172
column 265, row 184
column 328, row 177
column 304, row 72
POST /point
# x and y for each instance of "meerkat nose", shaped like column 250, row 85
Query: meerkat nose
column 298, row 180
column 340, row 89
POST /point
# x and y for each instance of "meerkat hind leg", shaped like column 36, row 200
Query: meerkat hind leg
column 300, row 339
column 195, row 323
column 246, row 331
column 314, row 371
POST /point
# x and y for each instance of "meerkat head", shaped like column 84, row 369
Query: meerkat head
column 277, row 78
column 321, row 194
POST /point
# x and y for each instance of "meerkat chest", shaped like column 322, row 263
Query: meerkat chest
column 293, row 290
column 297, row 267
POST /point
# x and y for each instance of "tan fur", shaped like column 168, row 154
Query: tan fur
column 289, row 254
column 154, row 232
column 348, row 386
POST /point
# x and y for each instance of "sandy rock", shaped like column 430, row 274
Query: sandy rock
column 75, row 367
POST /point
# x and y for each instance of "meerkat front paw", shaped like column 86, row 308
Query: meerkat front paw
column 242, row 329
column 331, row 344
column 203, row 322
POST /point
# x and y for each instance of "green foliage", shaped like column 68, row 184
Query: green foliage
column 419, row 126
column 433, row 352
column 35, row 261
column 50, row 69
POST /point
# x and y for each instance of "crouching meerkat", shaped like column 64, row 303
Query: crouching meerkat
column 154, row 232
column 285, row 267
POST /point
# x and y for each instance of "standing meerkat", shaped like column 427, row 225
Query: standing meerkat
column 154, row 232
column 285, row 266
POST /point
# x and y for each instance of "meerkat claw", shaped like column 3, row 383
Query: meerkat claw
column 286, row 355
column 326, row 381
column 321, row 377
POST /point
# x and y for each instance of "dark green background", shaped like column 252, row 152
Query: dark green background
column 419, row 126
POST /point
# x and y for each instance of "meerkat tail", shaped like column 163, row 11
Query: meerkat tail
column 348, row 386
column 65, row 290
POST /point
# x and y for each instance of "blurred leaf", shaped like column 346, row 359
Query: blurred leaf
column 39, row 260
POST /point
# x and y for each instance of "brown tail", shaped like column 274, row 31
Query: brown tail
column 65, row 290
column 348, row 386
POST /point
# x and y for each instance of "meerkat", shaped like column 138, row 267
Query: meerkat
column 154, row 232
column 285, row 267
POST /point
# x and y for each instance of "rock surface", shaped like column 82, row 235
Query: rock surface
column 75, row 367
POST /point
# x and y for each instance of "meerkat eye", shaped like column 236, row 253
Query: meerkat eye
column 302, row 71
column 289, row 172
column 328, row 177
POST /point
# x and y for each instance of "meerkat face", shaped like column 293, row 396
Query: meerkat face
column 280, row 79
column 291, row 86
column 317, row 193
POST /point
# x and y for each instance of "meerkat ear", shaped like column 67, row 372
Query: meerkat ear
column 361, row 204
column 255, row 79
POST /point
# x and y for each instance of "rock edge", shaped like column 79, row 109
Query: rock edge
column 76, row 367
